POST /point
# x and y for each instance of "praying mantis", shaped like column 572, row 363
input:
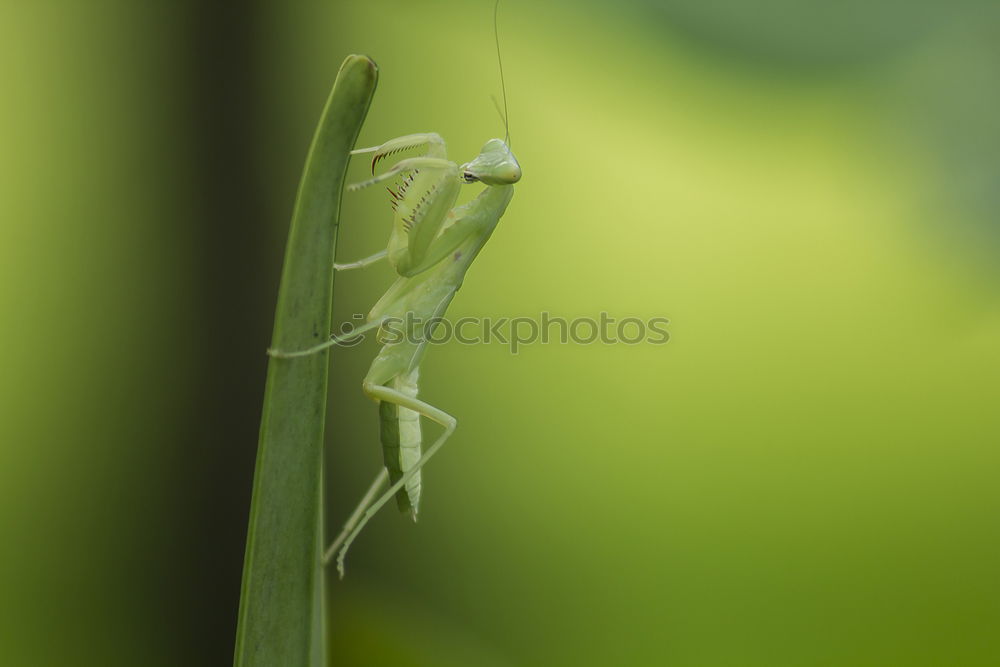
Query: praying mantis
column 431, row 247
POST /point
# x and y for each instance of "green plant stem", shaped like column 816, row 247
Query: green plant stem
column 282, row 610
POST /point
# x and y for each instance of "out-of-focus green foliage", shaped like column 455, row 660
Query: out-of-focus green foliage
column 803, row 475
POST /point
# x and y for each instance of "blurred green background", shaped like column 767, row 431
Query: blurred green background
column 805, row 475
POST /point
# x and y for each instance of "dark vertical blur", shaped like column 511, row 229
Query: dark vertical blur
column 138, row 280
column 222, row 96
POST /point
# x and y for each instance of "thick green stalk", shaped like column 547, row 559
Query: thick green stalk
column 281, row 618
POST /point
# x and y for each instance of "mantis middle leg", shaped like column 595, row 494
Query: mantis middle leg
column 334, row 340
column 361, row 263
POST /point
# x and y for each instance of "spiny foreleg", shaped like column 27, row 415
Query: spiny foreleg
column 432, row 141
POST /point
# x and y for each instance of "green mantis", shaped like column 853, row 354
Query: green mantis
column 431, row 247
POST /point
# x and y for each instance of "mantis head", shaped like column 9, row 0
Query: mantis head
column 495, row 165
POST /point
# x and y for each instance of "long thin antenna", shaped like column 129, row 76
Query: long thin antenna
column 503, row 88
column 496, row 105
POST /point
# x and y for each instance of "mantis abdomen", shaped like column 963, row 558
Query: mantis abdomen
column 399, row 430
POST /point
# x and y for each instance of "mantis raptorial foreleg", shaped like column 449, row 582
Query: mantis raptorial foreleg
column 421, row 204
column 403, row 167
column 432, row 140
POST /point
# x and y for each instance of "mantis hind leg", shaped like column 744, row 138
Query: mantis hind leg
column 351, row 522
column 383, row 393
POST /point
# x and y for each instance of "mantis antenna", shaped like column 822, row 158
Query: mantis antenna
column 503, row 119
column 503, row 88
